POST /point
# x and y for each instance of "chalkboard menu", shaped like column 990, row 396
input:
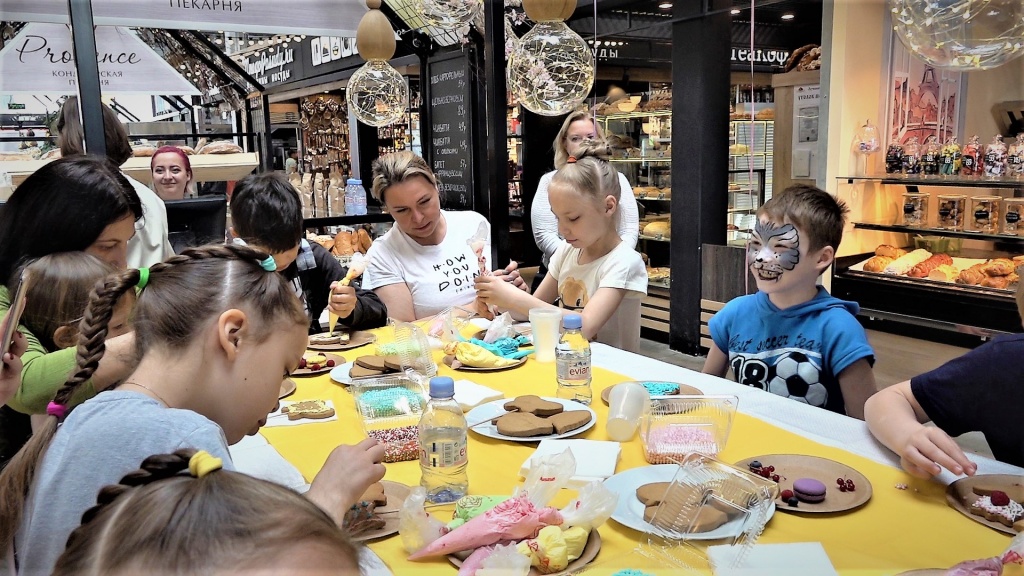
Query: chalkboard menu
column 450, row 95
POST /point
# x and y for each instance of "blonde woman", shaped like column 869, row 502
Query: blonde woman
column 578, row 126
column 424, row 264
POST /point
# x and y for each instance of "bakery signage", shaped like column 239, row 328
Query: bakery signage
column 449, row 93
column 759, row 55
column 269, row 67
column 40, row 60
column 313, row 17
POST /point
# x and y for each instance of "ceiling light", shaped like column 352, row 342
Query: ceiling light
column 261, row 42
column 734, row 11
column 218, row 41
column 665, row 5
column 251, row 42
column 788, row 16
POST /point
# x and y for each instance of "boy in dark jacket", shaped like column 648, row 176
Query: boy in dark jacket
column 266, row 213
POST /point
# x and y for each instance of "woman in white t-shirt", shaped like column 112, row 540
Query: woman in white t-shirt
column 578, row 126
column 594, row 273
column 424, row 264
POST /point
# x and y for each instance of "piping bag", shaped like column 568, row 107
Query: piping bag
column 478, row 242
column 355, row 269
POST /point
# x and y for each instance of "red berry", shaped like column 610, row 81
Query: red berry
column 771, row 468
column 999, row 498
column 314, row 367
column 842, row 488
column 302, row 363
column 786, row 494
column 775, row 478
column 331, row 363
column 765, row 473
column 849, row 485
column 840, row 481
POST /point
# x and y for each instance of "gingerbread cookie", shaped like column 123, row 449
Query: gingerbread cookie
column 569, row 421
column 393, row 363
column 1014, row 491
column 534, row 405
column 375, row 493
column 523, row 425
column 997, row 506
column 358, row 371
column 372, row 363
column 653, row 493
column 313, row 409
column 324, row 339
column 671, row 518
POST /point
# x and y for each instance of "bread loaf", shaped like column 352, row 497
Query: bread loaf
column 971, row 276
column 143, row 151
column 998, row 267
column 944, row 273
column 903, row 264
column 1002, row 282
column 890, row 251
column 877, row 263
column 342, row 244
column 188, row 150
column 221, row 148
column 658, row 230
column 922, row 269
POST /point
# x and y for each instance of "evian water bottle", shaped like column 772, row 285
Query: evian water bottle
column 572, row 361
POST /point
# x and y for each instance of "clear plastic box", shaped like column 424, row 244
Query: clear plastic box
column 676, row 426
column 390, row 409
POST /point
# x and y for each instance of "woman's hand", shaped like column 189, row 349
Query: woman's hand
column 496, row 291
column 346, row 475
column 510, row 274
column 342, row 301
column 10, row 371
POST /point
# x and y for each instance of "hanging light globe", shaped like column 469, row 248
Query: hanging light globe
column 961, row 35
column 376, row 93
column 447, row 14
column 552, row 69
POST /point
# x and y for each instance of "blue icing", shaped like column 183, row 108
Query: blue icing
column 661, row 388
column 387, row 402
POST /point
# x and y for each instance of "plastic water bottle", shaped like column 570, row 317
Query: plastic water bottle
column 350, row 197
column 359, row 198
column 443, row 446
column 572, row 361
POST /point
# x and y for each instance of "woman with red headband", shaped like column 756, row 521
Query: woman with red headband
column 172, row 173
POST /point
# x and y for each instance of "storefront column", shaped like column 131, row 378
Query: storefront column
column 700, row 136
column 492, row 200
column 84, row 38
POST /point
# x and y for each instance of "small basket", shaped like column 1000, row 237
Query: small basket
column 390, row 409
column 676, row 426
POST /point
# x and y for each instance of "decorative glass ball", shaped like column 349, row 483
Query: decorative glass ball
column 552, row 70
column 447, row 14
column 961, row 35
column 377, row 94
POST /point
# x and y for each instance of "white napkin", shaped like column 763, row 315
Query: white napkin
column 279, row 418
column 254, row 456
column 595, row 459
column 469, row 394
column 774, row 560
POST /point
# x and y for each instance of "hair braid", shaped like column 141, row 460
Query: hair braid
column 154, row 468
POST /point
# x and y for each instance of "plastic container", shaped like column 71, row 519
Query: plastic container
column 350, row 196
column 915, row 209
column 359, row 198
column 986, row 213
column 939, row 244
column 678, row 425
column 390, row 409
column 544, row 330
column 951, row 211
column 572, row 362
column 1013, row 212
column 443, row 444
column 627, row 404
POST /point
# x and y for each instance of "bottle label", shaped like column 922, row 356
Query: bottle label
column 908, row 208
column 1012, row 217
column 444, row 454
column 574, row 370
column 968, row 161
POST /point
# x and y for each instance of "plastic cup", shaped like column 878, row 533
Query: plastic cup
column 626, row 405
column 545, row 324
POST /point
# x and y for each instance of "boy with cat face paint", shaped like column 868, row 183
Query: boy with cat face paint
column 792, row 338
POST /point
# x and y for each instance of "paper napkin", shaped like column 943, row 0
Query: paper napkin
column 254, row 456
column 795, row 559
column 595, row 459
column 279, row 418
column 469, row 394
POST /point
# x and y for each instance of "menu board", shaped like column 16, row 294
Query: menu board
column 450, row 143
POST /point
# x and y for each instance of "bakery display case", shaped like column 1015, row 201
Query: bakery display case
column 746, row 195
column 954, row 262
column 751, row 144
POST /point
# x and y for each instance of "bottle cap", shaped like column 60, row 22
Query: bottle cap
column 442, row 387
column 352, row 181
column 358, row 182
column 572, row 321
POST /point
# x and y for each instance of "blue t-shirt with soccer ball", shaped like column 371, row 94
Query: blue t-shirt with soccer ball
column 797, row 352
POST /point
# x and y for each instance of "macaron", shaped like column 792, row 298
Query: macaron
column 809, row 490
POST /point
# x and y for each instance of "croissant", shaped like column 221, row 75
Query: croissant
column 889, row 251
column 996, row 282
column 998, row 267
column 343, row 244
column 877, row 263
column 971, row 276
column 364, row 240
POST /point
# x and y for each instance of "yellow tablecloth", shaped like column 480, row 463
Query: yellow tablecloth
column 897, row 530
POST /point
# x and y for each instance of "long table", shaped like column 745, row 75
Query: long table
column 897, row 530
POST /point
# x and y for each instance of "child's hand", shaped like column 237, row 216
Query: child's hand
column 10, row 371
column 510, row 273
column 928, row 450
column 346, row 475
column 495, row 290
column 342, row 301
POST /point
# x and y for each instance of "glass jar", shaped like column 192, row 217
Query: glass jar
column 915, row 209
column 1015, row 157
column 949, row 162
column 951, row 211
column 986, row 213
column 1013, row 211
column 912, row 156
column 894, row 159
column 930, row 153
column 995, row 158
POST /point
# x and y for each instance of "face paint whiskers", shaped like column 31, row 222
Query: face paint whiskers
column 773, row 250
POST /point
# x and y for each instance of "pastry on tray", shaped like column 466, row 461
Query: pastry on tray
column 903, row 264
column 944, row 273
column 877, row 263
column 889, row 251
column 924, row 268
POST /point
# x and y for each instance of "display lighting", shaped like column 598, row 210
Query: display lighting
column 734, row 11
column 665, row 5
column 376, row 93
column 552, row 70
column 447, row 14
column 788, row 16
column 961, row 35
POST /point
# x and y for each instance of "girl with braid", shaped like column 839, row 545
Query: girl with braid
column 181, row 513
column 216, row 330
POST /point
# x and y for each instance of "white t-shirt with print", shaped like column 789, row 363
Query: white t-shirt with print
column 621, row 268
column 438, row 276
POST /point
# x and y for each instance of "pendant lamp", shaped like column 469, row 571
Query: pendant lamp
column 377, row 93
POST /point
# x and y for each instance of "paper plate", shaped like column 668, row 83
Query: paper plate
column 356, row 339
column 338, row 360
column 960, row 495
column 586, row 557
column 606, row 394
column 485, row 412
column 396, row 493
column 791, row 467
column 630, row 511
column 287, row 388
column 448, row 359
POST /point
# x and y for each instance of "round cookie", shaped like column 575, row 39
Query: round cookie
column 809, row 490
column 324, row 339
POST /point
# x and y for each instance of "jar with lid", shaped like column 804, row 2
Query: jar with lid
column 1013, row 211
column 951, row 211
column 1015, row 157
column 930, row 153
column 986, row 213
column 893, row 159
column 995, row 158
column 912, row 156
column 969, row 162
column 949, row 160
column 915, row 209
